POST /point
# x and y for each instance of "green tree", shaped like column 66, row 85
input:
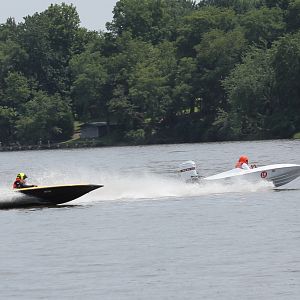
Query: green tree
column 293, row 16
column 182, row 121
column 45, row 118
column 240, row 6
column 9, row 30
column 17, row 90
column 8, row 118
column 49, row 38
column 283, row 4
column 198, row 23
column 286, row 64
column 123, row 111
column 217, row 55
column 122, row 68
column 263, row 25
column 87, row 89
column 250, row 89
column 185, row 87
column 150, row 20
column 12, row 58
column 149, row 85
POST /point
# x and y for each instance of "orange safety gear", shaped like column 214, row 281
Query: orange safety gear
column 243, row 160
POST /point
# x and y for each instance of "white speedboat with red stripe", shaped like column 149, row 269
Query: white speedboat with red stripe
column 279, row 174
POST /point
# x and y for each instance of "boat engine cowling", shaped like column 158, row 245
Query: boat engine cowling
column 188, row 172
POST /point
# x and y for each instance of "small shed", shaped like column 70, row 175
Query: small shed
column 93, row 130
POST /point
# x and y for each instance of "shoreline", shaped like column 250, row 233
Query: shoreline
column 15, row 148
column 101, row 144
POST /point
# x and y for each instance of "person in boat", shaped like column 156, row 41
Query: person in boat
column 243, row 163
column 20, row 182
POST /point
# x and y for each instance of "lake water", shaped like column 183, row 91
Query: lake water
column 146, row 235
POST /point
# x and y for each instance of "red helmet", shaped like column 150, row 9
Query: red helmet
column 244, row 159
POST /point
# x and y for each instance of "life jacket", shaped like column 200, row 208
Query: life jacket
column 243, row 160
column 17, row 184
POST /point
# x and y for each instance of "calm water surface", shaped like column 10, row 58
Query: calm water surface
column 146, row 235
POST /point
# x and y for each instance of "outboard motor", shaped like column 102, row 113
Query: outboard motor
column 188, row 172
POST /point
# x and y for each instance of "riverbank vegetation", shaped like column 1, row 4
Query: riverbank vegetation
column 164, row 71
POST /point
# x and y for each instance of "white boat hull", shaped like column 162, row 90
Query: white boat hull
column 279, row 174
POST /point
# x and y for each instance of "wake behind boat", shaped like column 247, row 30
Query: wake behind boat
column 48, row 195
column 278, row 174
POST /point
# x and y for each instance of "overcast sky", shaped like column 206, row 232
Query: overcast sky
column 93, row 13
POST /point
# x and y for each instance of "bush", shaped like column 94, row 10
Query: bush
column 296, row 135
column 135, row 137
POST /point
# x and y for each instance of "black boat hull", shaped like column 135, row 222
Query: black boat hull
column 48, row 195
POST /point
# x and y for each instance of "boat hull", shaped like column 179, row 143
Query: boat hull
column 279, row 174
column 48, row 195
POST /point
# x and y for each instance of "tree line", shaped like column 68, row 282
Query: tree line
column 163, row 71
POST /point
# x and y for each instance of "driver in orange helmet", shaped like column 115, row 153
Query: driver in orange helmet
column 243, row 163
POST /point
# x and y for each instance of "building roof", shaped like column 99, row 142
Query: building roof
column 94, row 124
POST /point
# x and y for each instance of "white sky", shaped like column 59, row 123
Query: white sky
column 93, row 13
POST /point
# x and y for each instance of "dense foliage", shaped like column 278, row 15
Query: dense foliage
column 164, row 71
